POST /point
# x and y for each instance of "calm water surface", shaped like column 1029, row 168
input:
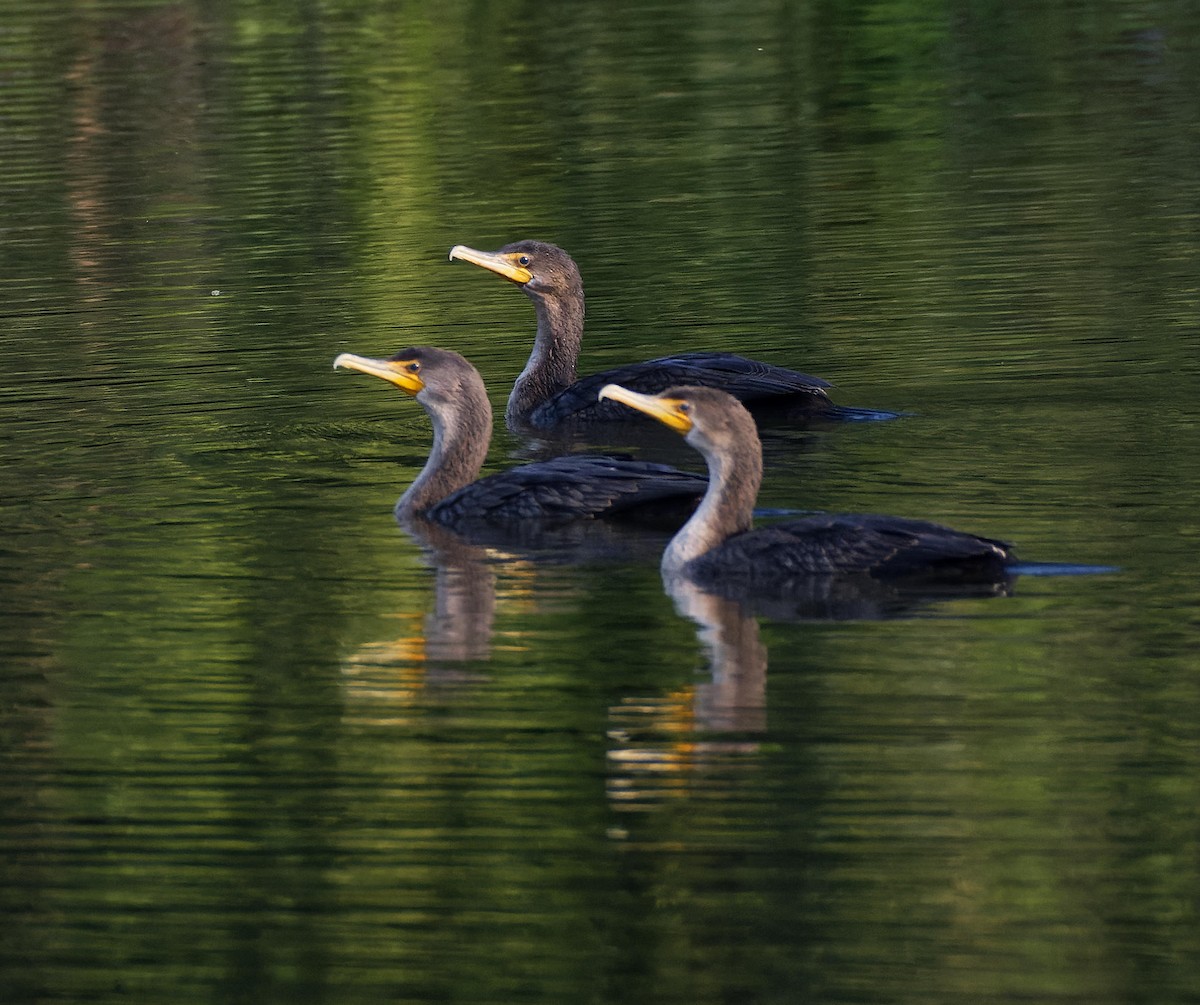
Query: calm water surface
column 259, row 745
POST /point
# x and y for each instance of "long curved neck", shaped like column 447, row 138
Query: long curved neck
column 461, row 434
column 727, row 507
column 551, row 366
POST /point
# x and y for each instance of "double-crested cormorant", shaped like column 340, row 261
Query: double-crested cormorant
column 547, row 395
column 717, row 549
column 566, row 488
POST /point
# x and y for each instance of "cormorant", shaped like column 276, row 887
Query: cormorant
column 718, row 550
column 548, row 396
column 566, row 488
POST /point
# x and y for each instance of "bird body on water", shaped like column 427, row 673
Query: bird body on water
column 566, row 488
column 718, row 549
column 549, row 396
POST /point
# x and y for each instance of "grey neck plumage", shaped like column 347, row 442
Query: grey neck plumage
column 462, row 430
column 551, row 366
column 727, row 508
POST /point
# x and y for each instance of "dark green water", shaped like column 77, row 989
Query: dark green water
column 255, row 748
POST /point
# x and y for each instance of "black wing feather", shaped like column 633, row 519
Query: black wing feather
column 773, row 556
column 572, row 487
column 748, row 380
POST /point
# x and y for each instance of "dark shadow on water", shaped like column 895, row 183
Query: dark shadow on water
column 864, row 598
column 573, row 542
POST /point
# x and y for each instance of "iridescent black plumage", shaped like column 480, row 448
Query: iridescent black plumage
column 775, row 556
column 574, row 487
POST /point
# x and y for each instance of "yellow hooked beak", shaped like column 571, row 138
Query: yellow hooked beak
column 404, row 373
column 672, row 412
column 507, row 265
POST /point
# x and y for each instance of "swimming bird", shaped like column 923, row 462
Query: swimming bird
column 566, row 488
column 549, row 396
column 718, row 550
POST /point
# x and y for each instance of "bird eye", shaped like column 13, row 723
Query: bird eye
column 413, row 368
column 524, row 260
column 684, row 407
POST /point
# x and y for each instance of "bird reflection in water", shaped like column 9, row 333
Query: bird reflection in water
column 657, row 745
column 704, row 734
column 438, row 641
column 459, row 626
column 479, row 575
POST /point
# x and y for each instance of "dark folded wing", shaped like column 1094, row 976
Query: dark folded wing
column 847, row 543
column 749, row 380
column 572, row 487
